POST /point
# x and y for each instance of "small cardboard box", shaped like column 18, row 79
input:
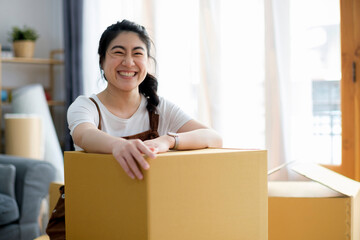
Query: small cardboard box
column 327, row 207
column 201, row 194
column 54, row 194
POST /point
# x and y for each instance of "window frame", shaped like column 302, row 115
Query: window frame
column 350, row 90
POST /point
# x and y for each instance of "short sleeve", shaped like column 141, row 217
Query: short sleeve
column 80, row 111
column 172, row 117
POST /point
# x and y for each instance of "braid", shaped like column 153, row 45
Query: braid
column 149, row 89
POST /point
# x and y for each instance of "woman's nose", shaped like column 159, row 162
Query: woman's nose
column 128, row 61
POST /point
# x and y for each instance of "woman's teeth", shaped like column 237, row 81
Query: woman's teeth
column 127, row 74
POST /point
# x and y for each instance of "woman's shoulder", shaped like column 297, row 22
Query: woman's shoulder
column 163, row 102
column 83, row 98
column 166, row 105
column 83, row 101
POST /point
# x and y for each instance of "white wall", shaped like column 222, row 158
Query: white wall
column 46, row 17
column 43, row 15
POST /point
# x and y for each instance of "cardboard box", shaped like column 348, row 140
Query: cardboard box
column 325, row 208
column 201, row 194
column 54, row 194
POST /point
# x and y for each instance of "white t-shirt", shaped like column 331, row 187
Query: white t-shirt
column 171, row 117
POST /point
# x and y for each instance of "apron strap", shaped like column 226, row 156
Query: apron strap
column 98, row 109
column 150, row 134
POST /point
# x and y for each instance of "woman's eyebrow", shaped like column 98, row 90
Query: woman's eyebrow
column 117, row 46
column 121, row 47
column 141, row 48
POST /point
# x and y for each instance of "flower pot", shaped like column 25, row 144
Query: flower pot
column 24, row 48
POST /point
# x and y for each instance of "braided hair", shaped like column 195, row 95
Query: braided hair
column 150, row 84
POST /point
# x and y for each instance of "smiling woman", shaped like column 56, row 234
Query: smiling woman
column 128, row 118
column 126, row 65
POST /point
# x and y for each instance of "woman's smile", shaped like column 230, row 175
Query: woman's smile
column 127, row 73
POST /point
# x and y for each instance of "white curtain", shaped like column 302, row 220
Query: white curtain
column 211, row 62
column 302, row 46
column 242, row 67
column 98, row 15
column 241, row 79
column 176, row 25
column 277, row 71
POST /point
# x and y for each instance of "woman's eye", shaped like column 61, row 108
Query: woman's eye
column 138, row 53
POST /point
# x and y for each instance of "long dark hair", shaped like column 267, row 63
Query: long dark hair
column 150, row 84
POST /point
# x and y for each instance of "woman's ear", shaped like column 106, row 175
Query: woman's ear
column 102, row 72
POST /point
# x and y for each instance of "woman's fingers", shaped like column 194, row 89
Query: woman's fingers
column 125, row 166
column 133, row 166
column 130, row 157
column 136, row 154
column 147, row 151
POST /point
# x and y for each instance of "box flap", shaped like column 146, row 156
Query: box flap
column 328, row 178
column 271, row 171
column 301, row 189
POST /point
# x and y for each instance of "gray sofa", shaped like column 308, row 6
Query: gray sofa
column 24, row 183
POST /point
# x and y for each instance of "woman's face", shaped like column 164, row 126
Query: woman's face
column 126, row 62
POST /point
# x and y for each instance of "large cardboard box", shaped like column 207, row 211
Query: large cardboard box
column 201, row 194
column 327, row 207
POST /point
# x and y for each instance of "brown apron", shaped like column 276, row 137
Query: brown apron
column 150, row 134
column 56, row 226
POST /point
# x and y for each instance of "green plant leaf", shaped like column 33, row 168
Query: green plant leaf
column 26, row 33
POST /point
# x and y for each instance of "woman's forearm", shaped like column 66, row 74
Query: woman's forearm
column 199, row 138
column 93, row 140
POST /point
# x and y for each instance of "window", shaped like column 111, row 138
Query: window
column 350, row 86
column 315, row 73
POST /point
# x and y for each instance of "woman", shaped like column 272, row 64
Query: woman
column 128, row 118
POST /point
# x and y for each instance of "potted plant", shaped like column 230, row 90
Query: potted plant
column 23, row 41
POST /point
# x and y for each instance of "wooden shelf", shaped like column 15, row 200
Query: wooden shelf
column 50, row 62
column 51, row 103
column 32, row 60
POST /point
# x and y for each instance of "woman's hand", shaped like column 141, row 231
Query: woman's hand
column 129, row 153
column 160, row 144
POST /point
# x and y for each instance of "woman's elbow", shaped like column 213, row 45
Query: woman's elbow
column 216, row 140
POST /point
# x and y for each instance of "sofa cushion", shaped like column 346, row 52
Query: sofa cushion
column 7, row 179
column 9, row 210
